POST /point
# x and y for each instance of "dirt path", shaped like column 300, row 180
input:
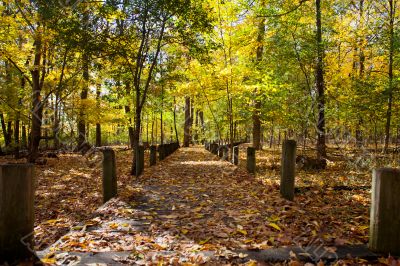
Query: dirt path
column 192, row 203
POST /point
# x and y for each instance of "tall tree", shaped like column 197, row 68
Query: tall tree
column 390, row 86
column 320, row 85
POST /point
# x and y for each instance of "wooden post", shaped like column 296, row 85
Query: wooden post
column 109, row 174
column 161, row 152
column 214, row 148
column 251, row 160
column 17, row 190
column 288, row 164
column 153, row 155
column 225, row 153
column 220, row 151
column 140, row 169
column 384, row 234
column 235, row 157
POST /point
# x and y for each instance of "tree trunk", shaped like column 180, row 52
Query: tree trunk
column 390, row 87
column 320, row 85
column 187, row 133
column 176, row 130
column 37, row 105
column 56, row 125
column 161, row 116
column 24, row 143
column 257, row 125
column 152, row 130
column 7, row 140
column 84, row 95
column 98, row 126
column 161, row 128
column 128, row 112
column 196, row 126
column 257, row 102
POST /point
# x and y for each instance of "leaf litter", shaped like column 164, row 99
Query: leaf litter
column 192, row 204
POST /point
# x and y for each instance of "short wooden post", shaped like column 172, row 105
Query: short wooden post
column 384, row 232
column 220, row 151
column 225, row 153
column 109, row 174
column 214, row 148
column 169, row 149
column 251, row 160
column 139, row 170
column 235, row 157
column 288, row 165
column 153, row 155
column 161, row 152
column 17, row 190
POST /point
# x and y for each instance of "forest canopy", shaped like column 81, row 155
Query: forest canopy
column 76, row 74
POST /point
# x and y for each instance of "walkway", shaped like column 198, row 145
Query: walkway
column 193, row 208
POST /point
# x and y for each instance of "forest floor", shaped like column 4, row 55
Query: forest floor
column 194, row 202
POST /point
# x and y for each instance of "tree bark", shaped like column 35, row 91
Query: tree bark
column 37, row 105
column 257, row 101
column 390, row 74
column 187, row 127
column 17, row 121
column 320, row 85
column 141, row 97
column 98, row 125
column 24, row 143
column 84, row 95
column 7, row 140
column 176, row 129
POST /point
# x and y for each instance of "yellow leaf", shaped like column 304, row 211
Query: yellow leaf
column 202, row 242
column 52, row 221
column 184, row 231
column 243, row 232
column 199, row 215
column 251, row 263
column 273, row 218
column 274, row 225
column 49, row 260
column 113, row 226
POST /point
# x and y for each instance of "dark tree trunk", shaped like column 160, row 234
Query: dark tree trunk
column 257, row 125
column 56, row 125
column 6, row 136
column 176, row 130
column 84, row 95
column 203, row 127
column 152, row 130
column 142, row 90
column 320, row 84
column 9, row 131
column 187, row 133
column 17, row 121
column 257, row 101
column 196, row 126
column 37, row 105
column 390, row 74
column 161, row 116
column 161, row 129
column 98, row 135
column 98, row 126
column 24, row 138
column 128, row 112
